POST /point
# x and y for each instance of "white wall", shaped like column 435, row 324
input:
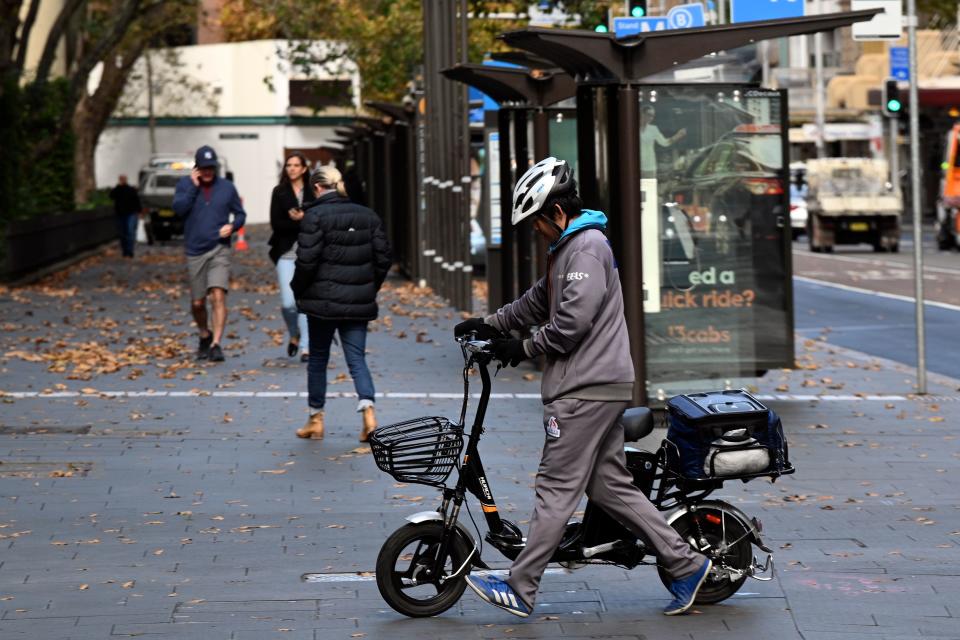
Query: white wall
column 255, row 163
column 237, row 79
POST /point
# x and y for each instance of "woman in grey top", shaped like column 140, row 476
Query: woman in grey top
column 286, row 210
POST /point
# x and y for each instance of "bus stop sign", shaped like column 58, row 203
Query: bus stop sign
column 684, row 16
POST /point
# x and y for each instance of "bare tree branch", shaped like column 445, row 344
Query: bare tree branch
column 9, row 21
column 53, row 38
column 25, row 30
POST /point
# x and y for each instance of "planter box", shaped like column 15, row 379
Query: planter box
column 45, row 240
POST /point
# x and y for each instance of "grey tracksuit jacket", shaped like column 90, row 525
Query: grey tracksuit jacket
column 579, row 305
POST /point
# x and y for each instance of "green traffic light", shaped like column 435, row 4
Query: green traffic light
column 601, row 28
column 637, row 12
column 893, row 105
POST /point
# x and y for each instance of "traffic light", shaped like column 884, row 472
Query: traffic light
column 638, row 8
column 890, row 101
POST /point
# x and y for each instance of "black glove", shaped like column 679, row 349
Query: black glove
column 470, row 325
column 509, row 351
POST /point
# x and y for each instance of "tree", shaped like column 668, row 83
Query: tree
column 110, row 34
column 92, row 111
column 383, row 37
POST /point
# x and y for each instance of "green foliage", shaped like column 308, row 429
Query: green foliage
column 937, row 14
column 29, row 116
column 383, row 37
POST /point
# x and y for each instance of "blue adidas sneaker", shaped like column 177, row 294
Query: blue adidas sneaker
column 685, row 590
column 498, row 593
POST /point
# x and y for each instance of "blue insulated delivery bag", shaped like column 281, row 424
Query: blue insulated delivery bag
column 698, row 422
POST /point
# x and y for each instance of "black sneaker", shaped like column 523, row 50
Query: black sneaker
column 216, row 354
column 203, row 351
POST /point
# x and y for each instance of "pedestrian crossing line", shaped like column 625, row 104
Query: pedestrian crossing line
column 420, row 395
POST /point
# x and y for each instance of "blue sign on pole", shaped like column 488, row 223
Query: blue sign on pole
column 684, row 16
column 900, row 63
column 753, row 10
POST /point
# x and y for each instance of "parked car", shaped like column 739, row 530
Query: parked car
column 158, row 182
column 798, row 199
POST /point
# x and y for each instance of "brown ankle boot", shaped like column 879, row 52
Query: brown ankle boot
column 313, row 428
column 369, row 424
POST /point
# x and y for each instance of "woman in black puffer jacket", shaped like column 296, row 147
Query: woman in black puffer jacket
column 342, row 260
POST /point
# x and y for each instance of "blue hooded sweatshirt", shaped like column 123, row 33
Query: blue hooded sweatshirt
column 205, row 210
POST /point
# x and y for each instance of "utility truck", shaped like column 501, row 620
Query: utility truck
column 850, row 201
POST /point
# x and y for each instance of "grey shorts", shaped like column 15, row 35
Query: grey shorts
column 211, row 269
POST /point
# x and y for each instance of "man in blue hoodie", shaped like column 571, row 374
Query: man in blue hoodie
column 206, row 202
column 587, row 382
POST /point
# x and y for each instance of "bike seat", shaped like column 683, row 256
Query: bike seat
column 637, row 423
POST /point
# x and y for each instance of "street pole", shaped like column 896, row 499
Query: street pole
column 722, row 6
column 894, row 155
column 818, row 88
column 915, row 195
column 151, row 116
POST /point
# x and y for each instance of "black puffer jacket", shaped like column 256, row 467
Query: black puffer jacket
column 342, row 259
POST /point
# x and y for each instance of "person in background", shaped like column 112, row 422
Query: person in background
column 207, row 201
column 342, row 260
column 650, row 138
column 286, row 212
column 126, row 206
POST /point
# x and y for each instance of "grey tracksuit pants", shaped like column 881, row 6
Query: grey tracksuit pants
column 583, row 453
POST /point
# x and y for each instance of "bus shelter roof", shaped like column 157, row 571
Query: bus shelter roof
column 602, row 58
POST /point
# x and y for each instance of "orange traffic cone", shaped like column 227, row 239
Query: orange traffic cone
column 241, row 240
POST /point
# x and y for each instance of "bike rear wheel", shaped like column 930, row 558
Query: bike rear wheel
column 405, row 574
column 723, row 539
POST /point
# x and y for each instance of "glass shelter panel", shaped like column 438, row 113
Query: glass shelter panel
column 713, row 180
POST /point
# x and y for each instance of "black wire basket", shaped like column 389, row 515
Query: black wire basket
column 420, row 451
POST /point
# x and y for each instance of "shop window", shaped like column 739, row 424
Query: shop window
column 320, row 94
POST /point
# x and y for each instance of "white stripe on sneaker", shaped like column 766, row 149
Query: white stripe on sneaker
column 513, row 601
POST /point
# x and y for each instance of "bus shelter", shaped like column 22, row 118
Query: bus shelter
column 694, row 179
column 514, row 259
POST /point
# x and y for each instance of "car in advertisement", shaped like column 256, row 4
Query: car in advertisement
column 730, row 183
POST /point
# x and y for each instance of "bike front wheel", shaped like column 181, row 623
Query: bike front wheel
column 405, row 570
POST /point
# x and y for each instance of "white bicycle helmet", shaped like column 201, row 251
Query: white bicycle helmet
column 548, row 177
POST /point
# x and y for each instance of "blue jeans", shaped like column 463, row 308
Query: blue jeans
column 127, row 229
column 296, row 322
column 353, row 339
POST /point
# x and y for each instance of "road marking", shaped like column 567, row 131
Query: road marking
column 880, row 263
column 881, row 294
column 398, row 395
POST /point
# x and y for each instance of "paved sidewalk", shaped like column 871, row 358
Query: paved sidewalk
column 144, row 495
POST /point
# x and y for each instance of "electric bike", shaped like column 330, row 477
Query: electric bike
column 421, row 566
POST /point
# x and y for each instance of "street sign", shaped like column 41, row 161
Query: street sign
column 884, row 26
column 753, row 10
column 900, row 63
column 684, row 16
